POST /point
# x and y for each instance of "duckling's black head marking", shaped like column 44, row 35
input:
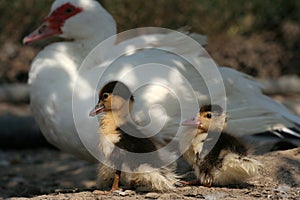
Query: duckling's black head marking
column 212, row 108
column 212, row 117
column 116, row 88
column 110, row 91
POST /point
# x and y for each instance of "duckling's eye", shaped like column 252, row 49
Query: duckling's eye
column 208, row 116
column 69, row 10
column 104, row 96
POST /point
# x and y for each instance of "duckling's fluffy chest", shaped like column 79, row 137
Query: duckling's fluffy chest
column 109, row 135
column 114, row 138
column 195, row 148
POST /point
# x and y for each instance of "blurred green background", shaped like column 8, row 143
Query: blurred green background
column 259, row 37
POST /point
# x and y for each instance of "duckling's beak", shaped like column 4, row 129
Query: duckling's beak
column 191, row 122
column 99, row 108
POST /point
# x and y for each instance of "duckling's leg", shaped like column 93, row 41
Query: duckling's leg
column 115, row 185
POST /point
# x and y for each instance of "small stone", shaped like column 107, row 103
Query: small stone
column 152, row 195
column 283, row 188
column 170, row 196
column 129, row 192
column 119, row 193
column 122, row 193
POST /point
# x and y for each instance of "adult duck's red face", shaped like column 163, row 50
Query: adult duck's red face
column 53, row 24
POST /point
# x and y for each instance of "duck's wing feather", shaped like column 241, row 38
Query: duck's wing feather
column 250, row 111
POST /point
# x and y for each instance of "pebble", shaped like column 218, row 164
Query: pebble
column 170, row 196
column 130, row 192
column 152, row 195
column 124, row 193
column 282, row 188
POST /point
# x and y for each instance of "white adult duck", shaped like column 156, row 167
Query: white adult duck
column 85, row 23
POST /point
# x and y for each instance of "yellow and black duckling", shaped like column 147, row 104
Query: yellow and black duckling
column 130, row 157
column 228, row 161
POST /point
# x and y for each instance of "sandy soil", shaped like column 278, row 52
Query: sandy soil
column 50, row 174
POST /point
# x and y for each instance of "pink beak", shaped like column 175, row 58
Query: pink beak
column 191, row 122
column 99, row 108
column 43, row 31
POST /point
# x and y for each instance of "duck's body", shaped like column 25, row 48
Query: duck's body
column 228, row 161
column 135, row 159
column 55, row 72
column 51, row 107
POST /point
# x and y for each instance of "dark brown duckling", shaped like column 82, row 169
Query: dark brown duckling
column 228, row 162
column 132, row 157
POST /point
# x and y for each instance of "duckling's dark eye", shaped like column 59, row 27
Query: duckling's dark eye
column 104, row 96
column 69, row 10
column 208, row 116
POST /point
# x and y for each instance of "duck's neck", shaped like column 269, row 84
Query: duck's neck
column 93, row 51
column 90, row 43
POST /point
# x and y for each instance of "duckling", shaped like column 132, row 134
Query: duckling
column 228, row 161
column 130, row 157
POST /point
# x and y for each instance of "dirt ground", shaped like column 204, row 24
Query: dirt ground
column 50, row 174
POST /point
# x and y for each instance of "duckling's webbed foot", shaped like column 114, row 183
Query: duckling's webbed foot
column 204, row 173
column 207, row 180
column 187, row 183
